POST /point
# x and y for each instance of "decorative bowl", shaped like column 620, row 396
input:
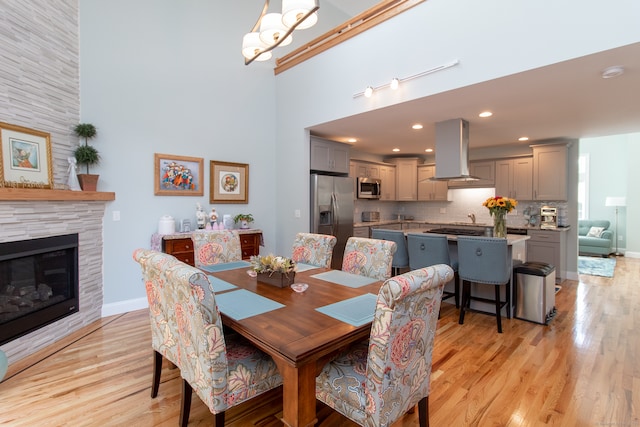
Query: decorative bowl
column 299, row 287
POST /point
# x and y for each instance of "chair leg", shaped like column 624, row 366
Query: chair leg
column 423, row 412
column 498, row 308
column 466, row 290
column 186, row 403
column 508, row 296
column 218, row 420
column 157, row 369
column 456, row 289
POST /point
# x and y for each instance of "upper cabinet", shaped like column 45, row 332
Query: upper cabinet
column 430, row 190
column 550, row 171
column 367, row 170
column 406, row 178
column 485, row 170
column 329, row 156
column 514, row 178
column 388, row 185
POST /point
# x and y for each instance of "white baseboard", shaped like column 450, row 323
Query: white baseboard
column 630, row 254
column 572, row 275
column 124, row 306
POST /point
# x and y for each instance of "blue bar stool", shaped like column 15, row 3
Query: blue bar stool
column 401, row 257
column 484, row 260
column 426, row 249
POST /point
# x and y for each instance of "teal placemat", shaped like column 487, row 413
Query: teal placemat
column 243, row 303
column 304, row 267
column 225, row 266
column 220, row 285
column 344, row 279
column 356, row 311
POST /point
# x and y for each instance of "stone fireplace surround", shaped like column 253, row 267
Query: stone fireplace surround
column 25, row 217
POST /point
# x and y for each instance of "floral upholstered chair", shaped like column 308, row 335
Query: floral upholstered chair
column 223, row 370
column 376, row 381
column 369, row 257
column 216, row 247
column 314, row 249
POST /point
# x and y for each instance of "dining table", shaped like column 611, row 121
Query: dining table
column 300, row 331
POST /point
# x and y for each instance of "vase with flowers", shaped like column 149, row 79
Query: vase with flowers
column 274, row 270
column 498, row 208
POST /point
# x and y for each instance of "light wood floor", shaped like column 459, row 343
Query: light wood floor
column 581, row 370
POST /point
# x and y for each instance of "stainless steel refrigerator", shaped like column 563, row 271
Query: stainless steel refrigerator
column 332, row 210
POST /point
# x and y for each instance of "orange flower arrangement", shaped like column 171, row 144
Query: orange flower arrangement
column 500, row 205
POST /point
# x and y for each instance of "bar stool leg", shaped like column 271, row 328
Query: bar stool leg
column 498, row 307
column 466, row 291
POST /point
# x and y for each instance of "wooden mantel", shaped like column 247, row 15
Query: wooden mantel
column 31, row 194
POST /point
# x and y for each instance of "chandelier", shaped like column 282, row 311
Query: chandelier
column 275, row 29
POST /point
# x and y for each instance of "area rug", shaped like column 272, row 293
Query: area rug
column 596, row 266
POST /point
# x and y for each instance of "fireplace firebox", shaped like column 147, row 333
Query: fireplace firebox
column 38, row 283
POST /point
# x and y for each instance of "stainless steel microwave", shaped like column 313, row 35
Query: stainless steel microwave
column 369, row 188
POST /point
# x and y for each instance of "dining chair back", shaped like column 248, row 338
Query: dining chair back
column 223, row 370
column 427, row 249
column 368, row 257
column 375, row 381
column 314, row 249
column 484, row 260
column 401, row 257
column 216, row 247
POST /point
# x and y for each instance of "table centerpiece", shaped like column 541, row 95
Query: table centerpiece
column 499, row 207
column 274, row 270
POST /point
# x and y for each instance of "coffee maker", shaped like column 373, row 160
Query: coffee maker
column 548, row 218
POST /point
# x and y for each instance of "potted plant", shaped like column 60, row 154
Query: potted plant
column 87, row 155
column 243, row 219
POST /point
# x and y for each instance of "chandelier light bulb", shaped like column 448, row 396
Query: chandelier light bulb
column 272, row 29
column 394, row 83
column 294, row 10
column 252, row 45
column 368, row 92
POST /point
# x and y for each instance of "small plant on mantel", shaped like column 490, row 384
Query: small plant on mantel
column 87, row 155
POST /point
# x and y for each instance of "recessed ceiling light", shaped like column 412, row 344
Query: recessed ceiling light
column 523, row 138
column 395, row 150
column 417, row 126
column 352, row 140
column 429, row 150
column 611, row 72
column 486, row 114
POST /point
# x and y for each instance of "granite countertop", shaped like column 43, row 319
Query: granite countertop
column 435, row 224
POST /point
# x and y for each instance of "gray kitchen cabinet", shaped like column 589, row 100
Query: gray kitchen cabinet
column 549, row 246
column 431, row 190
column 388, row 185
column 406, row 178
column 514, row 178
column 550, row 171
column 361, row 232
column 368, row 170
column 329, row 156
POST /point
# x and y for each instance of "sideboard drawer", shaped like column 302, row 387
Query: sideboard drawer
column 250, row 245
column 182, row 247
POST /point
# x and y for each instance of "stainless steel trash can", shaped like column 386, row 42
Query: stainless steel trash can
column 535, row 292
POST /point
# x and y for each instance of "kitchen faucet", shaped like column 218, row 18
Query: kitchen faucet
column 473, row 217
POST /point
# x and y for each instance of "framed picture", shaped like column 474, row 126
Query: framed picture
column 229, row 182
column 25, row 157
column 178, row 175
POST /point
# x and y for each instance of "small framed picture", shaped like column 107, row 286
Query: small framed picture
column 25, row 157
column 229, row 182
column 178, row 175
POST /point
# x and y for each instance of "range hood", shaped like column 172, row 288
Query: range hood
column 452, row 151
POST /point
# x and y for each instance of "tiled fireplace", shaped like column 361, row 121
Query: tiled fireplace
column 23, row 220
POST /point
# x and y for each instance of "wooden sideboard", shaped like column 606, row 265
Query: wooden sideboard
column 181, row 246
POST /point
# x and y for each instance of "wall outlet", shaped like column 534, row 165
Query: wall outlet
column 296, row 213
column 116, row 215
column 620, row 238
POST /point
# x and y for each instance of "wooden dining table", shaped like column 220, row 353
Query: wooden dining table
column 299, row 338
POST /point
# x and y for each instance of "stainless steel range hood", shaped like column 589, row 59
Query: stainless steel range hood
column 452, row 151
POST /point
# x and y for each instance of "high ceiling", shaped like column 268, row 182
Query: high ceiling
column 564, row 100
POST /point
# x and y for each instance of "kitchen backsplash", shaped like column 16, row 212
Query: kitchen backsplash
column 462, row 202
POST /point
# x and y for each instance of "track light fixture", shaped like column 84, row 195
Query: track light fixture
column 395, row 82
column 275, row 29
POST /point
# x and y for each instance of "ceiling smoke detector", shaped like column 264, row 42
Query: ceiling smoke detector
column 612, row 72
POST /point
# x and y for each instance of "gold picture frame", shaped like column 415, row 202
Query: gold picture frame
column 229, row 182
column 25, row 157
column 178, row 175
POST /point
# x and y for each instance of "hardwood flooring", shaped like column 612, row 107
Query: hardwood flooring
column 583, row 369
